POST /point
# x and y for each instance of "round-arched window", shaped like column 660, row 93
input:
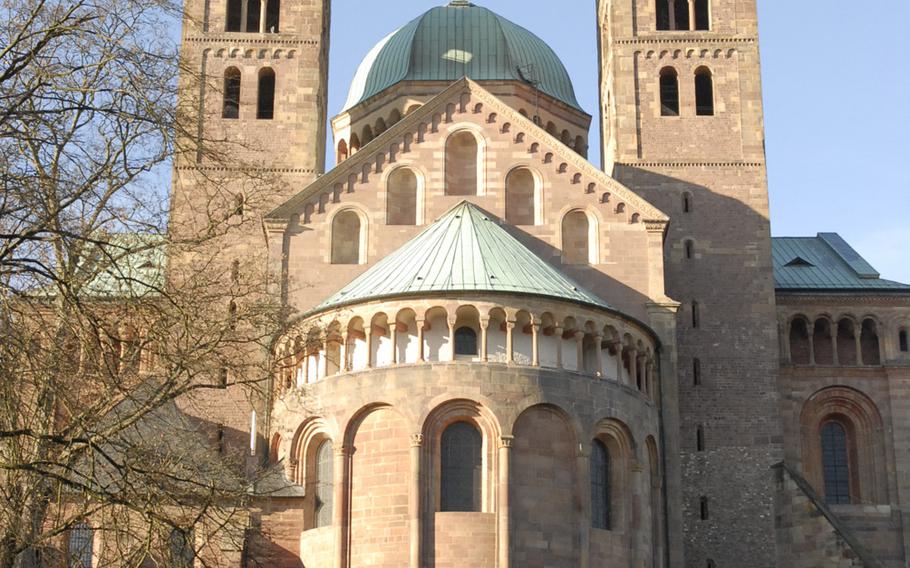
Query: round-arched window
column 465, row 341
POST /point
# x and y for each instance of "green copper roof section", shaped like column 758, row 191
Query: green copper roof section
column 461, row 40
column 825, row 263
column 464, row 251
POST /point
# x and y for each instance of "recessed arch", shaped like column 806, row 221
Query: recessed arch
column 232, row 84
column 669, row 92
column 349, row 236
column 464, row 163
column 523, row 197
column 704, row 92
column 265, row 105
column 580, row 241
column 404, row 197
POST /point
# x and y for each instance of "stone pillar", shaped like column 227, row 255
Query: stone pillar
column 617, row 345
column 484, row 349
column 510, row 334
column 580, row 350
column 598, row 344
column 633, row 368
column 835, row 328
column 691, row 14
column 393, row 336
column 340, row 497
column 535, row 344
column 263, row 10
column 421, row 351
column 584, row 494
column 557, row 332
column 368, row 333
column 243, row 14
column 505, row 457
column 857, row 339
column 323, row 361
column 414, row 502
column 810, row 331
column 451, row 339
column 344, row 365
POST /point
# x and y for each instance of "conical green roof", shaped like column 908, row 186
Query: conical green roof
column 464, row 251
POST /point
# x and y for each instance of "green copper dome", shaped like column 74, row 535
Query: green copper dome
column 458, row 40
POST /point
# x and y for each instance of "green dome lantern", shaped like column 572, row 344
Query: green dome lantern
column 462, row 40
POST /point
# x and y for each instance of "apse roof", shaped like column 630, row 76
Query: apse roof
column 825, row 263
column 461, row 40
column 466, row 250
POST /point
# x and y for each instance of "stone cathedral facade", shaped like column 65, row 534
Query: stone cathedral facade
column 500, row 355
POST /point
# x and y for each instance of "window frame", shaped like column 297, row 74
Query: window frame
column 449, row 500
column 670, row 100
column 601, row 469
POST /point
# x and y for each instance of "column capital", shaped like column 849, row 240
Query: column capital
column 510, row 325
column 485, row 323
column 506, row 441
column 416, row 440
column 579, row 334
column 343, row 450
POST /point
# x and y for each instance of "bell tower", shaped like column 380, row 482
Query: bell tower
column 682, row 126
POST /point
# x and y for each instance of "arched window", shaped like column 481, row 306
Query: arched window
column 80, row 546
column 669, row 92
column 663, row 15
column 253, row 16
column 462, row 164
column 324, row 485
column 799, row 342
column 702, row 14
column 869, row 343
column 576, row 236
column 265, row 106
column 234, row 15
column 465, row 341
column 835, row 463
column 704, row 92
column 601, row 490
column 520, row 198
column 180, row 549
column 342, row 154
column 461, row 461
column 231, row 106
column 902, row 341
column 346, row 238
column 273, row 17
column 401, row 200
column 681, row 14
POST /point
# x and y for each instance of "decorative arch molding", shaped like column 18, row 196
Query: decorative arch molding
column 860, row 417
column 594, row 224
column 620, row 443
column 364, row 237
column 477, row 132
column 309, row 435
column 421, row 174
column 358, row 418
column 539, row 201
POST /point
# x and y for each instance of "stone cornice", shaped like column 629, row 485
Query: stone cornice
column 846, row 298
column 678, row 40
column 731, row 165
column 246, row 169
column 245, row 40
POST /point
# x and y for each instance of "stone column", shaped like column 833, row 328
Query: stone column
column 344, row 365
column 857, row 339
column 835, row 328
column 451, row 339
column 340, row 498
column 505, row 457
column 557, row 333
column 263, row 10
column 691, row 14
column 322, row 359
column 580, row 350
column 583, row 464
column 535, row 344
column 484, row 349
column 393, row 336
column 598, row 344
column 368, row 333
column 633, row 368
column 810, row 331
column 510, row 334
column 414, row 502
column 617, row 345
column 421, row 352
column 243, row 13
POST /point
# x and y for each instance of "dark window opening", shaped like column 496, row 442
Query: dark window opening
column 180, row 546
column 702, row 15
column 663, row 15
column 253, row 15
column 669, row 92
column 696, row 315
column 681, row 13
column 324, row 484
column 704, row 92
column 703, row 508
column 903, row 342
column 231, row 108
column 799, row 342
column 687, row 203
column 80, row 547
column 696, row 372
column 835, row 464
column 461, row 460
column 601, row 491
column 465, row 341
column 273, row 17
column 711, row 564
column 265, row 107
column 700, row 439
column 690, row 250
column 219, row 439
column 223, row 377
column 234, row 15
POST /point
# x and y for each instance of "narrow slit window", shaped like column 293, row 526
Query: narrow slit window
column 904, row 346
column 231, row 106
column 687, row 202
column 265, row 107
column 703, row 508
column 690, row 250
column 700, row 439
column 696, row 371
column 704, row 92
column 696, row 315
column 669, row 92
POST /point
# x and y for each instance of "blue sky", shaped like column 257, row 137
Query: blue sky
column 837, row 105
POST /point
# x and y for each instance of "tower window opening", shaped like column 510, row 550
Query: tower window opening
column 700, row 439
column 681, row 14
column 601, row 490
column 690, row 250
column 663, row 15
column 687, row 202
column 704, row 92
column 253, row 15
column 232, row 81
column 703, row 508
column 702, row 15
column 835, row 464
column 466, row 342
column 273, row 16
column 462, row 153
column 696, row 315
column 461, row 460
column 520, row 197
column 234, row 15
column 669, row 92
column 902, row 340
column 696, row 371
column 265, row 108
column 347, row 237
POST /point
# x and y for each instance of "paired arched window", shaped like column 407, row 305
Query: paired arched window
column 576, row 238
column 461, row 462
column 903, row 341
column 324, row 485
column 253, row 16
column 231, row 106
column 669, row 92
column 465, row 341
column 601, row 490
column 347, row 238
column 520, row 197
column 80, row 546
column 704, row 92
column 835, row 463
column 462, row 155
column 674, row 15
column 265, row 103
column 401, row 200
column 180, row 549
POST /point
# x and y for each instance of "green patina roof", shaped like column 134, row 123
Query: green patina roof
column 825, row 262
column 461, row 40
column 466, row 250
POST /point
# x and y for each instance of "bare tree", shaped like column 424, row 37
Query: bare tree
column 116, row 330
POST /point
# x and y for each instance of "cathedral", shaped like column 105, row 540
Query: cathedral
column 497, row 354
